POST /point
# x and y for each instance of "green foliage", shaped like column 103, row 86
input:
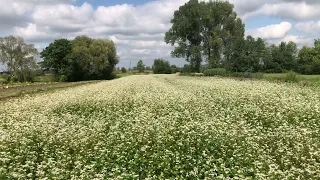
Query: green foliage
column 63, row 78
column 199, row 37
column 175, row 69
column 291, row 76
column 282, row 57
column 161, row 66
column 249, row 56
column 215, row 72
column 309, row 59
column 6, row 78
column 247, row 75
column 19, row 57
column 213, row 32
column 83, row 58
column 123, row 70
column 55, row 54
column 187, row 69
column 140, row 66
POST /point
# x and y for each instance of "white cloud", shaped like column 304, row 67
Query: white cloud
column 139, row 30
column 32, row 33
column 311, row 27
column 274, row 31
column 63, row 17
column 299, row 40
column 288, row 9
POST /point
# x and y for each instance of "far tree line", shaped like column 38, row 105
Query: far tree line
column 211, row 33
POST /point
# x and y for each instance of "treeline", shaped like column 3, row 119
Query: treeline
column 211, row 32
column 80, row 59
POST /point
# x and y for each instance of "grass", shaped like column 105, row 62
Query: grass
column 45, row 78
column 280, row 76
column 119, row 74
column 2, row 79
column 163, row 127
column 18, row 90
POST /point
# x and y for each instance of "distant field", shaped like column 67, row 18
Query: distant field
column 163, row 127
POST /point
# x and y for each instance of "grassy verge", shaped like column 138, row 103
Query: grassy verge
column 305, row 80
column 279, row 76
column 17, row 91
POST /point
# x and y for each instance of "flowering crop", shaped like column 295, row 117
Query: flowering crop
column 161, row 127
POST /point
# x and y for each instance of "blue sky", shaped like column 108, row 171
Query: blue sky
column 138, row 26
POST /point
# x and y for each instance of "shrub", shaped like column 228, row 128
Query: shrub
column 247, row 75
column 215, row 72
column 187, row 69
column 7, row 78
column 63, row 78
column 123, row 70
column 161, row 66
column 291, row 76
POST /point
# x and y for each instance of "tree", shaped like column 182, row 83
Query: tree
column 161, row 66
column 83, row 58
column 305, row 60
column 205, row 30
column 54, row 56
column 281, row 58
column 18, row 57
column 309, row 59
column 174, row 69
column 140, row 66
column 250, row 57
column 123, row 70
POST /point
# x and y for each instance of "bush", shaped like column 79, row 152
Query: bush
column 7, row 78
column 291, row 76
column 187, row 69
column 175, row 69
column 215, row 72
column 123, row 70
column 14, row 79
column 63, row 78
column 247, row 75
column 161, row 66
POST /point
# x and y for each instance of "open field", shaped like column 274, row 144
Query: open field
column 163, row 126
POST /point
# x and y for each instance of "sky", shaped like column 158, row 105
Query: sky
column 138, row 26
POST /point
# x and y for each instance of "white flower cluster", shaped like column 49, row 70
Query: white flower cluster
column 162, row 127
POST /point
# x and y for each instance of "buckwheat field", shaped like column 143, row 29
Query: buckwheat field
column 162, row 127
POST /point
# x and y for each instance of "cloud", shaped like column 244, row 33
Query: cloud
column 274, row 31
column 311, row 27
column 138, row 31
column 32, row 33
column 63, row 17
column 17, row 12
column 299, row 40
column 288, row 9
